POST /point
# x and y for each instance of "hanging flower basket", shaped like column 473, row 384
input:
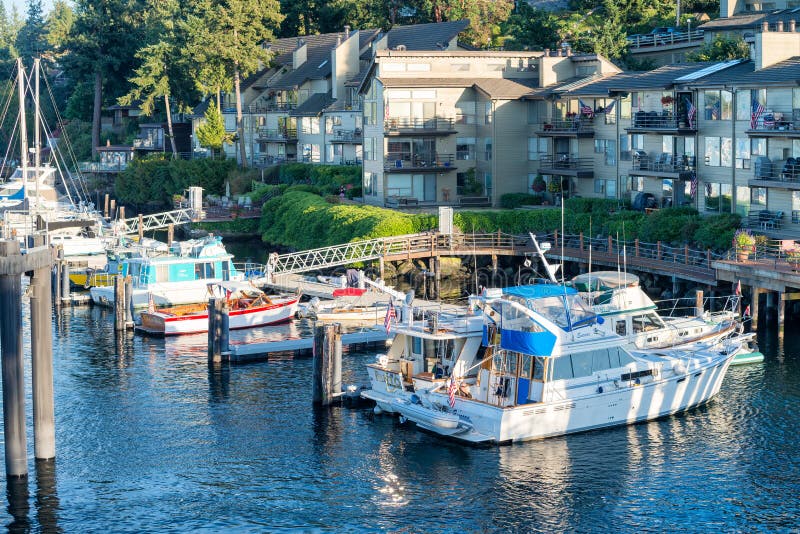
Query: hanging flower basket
column 667, row 100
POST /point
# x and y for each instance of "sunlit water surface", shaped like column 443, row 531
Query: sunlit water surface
column 148, row 438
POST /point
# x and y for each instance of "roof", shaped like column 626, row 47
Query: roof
column 433, row 36
column 786, row 72
column 504, row 88
column 427, row 82
column 752, row 20
column 538, row 291
column 313, row 106
column 660, row 78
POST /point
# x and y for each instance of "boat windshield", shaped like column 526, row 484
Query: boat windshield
column 568, row 311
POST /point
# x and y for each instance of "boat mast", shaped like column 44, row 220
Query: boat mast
column 37, row 147
column 23, row 128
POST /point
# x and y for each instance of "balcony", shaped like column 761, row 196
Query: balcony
column 102, row 166
column 405, row 162
column 776, row 124
column 281, row 135
column 650, row 41
column 148, row 143
column 661, row 122
column 567, row 165
column 784, row 174
column 346, row 136
column 663, row 165
column 578, row 127
column 432, row 126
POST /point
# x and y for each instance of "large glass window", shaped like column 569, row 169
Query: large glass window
column 625, row 147
column 718, row 105
column 465, row 148
column 725, row 152
column 758, row 147
column 712, row 147
column 611, row 152
column 536, row 147
column 795, row 207
column 742, row 153
column 758, row 197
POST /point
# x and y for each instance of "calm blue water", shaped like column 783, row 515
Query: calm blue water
column 148, row 439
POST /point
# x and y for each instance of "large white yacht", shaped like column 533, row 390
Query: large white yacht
column 541, row 364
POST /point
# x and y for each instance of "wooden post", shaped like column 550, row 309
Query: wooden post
column 437, row 276
column 57, row 277
column 754, row 309
column 113, row 209
column 105, row 207
column 555, row 238
column 327, row 365
column 170, row 234
column 686, row 254
column 781, row 308
column 128, row 302
column 44, row 427
column 610, row 244
column 581, row 241
column 708, row 258
column 381, row 267
column 65, row 281
column 658, row 250
column 636, row 247
column 141, row 228
column 16, row 457
column 699, row 309
column 122, row 213
column 119, row 303
column 224, row 331
column 215, row 330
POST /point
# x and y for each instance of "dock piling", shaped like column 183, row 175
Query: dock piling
column 327, row 378
column 698, row 303
column 16, row 458
column 44, row 439
column 119, row 303
column 215, row 330
column 128, row 302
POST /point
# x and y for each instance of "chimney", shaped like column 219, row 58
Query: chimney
column 546, row 52
column 780, row 26
column 765, row 26
column 569, row 50
column 338, row 39
column 347, row 30
column 300, row 54
column 792, row 26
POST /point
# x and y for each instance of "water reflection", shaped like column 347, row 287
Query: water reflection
column 47, row 501
column 18, row 506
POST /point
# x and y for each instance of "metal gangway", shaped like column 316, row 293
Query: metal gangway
column 156, row 221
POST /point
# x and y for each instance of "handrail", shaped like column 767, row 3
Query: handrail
column 639, row 41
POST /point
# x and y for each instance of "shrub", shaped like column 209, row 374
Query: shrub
column 515, row 200
column 716, row 231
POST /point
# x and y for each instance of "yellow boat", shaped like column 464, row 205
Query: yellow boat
column 87, row 278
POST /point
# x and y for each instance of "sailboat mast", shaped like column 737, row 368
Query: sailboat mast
column 36, row 136
column 23, row 129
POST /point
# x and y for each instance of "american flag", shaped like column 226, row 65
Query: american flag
column 585, row 108
column 747, row 311
column 691, row 112
column 609, row 108
column 390, row 317
column 715, row 112
column 738, row 287
column 758, row 110
column 694, row 185
column 451, row 392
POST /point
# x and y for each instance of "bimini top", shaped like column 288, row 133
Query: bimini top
column 600, row 280
column 538, row 291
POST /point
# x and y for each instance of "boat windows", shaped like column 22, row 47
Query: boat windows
column 538, row 368
column 416, row 345
column 162, row 273
column 587, row 363
column 622, row 329
column 645, row 323
column 203, row 270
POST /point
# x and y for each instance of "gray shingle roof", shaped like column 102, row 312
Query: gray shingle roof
column 784, row 73
column 425, row 36
column 313, row 106
column 506, row 89
column 752, row 20
column 660, row 78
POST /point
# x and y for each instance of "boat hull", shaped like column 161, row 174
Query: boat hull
column 167, row 294
column 612, row 406
column 159, row 323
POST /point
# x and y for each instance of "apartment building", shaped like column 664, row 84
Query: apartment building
column 447, row 127
column 304, row 106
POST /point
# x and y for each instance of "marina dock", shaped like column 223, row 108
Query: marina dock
column 253, row 351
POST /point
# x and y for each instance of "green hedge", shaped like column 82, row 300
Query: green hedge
column 329, row 178
column 152, row 182
column 515, row 200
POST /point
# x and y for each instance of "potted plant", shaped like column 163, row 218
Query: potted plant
column 744, row 243
column 666, row 101
column 793, row 257
column 538, row 185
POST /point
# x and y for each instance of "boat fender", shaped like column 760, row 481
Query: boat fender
column 377, row 410
column 403, row 419
column 415, row 399
column 599, row 389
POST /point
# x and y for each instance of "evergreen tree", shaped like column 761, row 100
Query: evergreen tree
column 32, row 38
column 211, row 133
column 721, row 49
column 8, row 40
column 609, row 39
column 531, row 29
column 59, row 24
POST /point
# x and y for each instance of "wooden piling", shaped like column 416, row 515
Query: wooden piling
column 16, row 457
column 327, row 365
column 128, row 302
column 699, row 309
column 141, row 227
column 64, row 282
column 170, row 234
column 119, row 303
column 122, row 213
column 114, row 209
column 754, row 309
column 781, row 308
column 215, row 330
column 224, row 331
column 44, row 428
column 105, row 206
column 437, row 276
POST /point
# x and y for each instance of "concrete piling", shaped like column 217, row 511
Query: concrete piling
column 44, row 444
column 327, row 366
column 215, row 330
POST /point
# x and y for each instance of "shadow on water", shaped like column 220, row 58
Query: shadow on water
column 47, row 501
column 219, row 381
column 18, row 493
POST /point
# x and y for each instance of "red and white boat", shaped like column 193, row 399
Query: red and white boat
column 248, row 307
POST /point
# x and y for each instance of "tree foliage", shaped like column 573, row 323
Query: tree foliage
column 721, row 49
column 211, row 133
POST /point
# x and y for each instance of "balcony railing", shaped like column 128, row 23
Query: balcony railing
column 776, row 171
column 580, row 124
column 650, row 40
column 660, row 120
column 280, row 135
column 145, row 143
column 396, row 161
column 570, row 164
column 346, row 136
column 435, row 124
column 100, row 166
column 777, row 123
column 663, row 163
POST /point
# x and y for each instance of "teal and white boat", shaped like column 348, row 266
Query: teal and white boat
column 180, row 277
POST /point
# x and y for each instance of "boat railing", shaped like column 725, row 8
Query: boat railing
column 684, row 306
column 251, row 270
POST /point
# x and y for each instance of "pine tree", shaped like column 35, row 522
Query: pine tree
column 32, row 38
column 211, row 133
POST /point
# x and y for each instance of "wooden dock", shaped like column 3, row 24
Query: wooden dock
column 245, row 352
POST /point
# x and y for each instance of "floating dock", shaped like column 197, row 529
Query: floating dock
column 252, row 351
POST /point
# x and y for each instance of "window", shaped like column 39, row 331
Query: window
column 611, row 188
column 795, row 207
column 534, row 116
column 758, row 147
column 536, row 147
column 725, row 152
column 599, row 146
column 611, row 152
column 488, row 151
column 310, row 125
column 712, row 151
column 758, row 197
column 369, row 148
column 625, row 147
column 465, row 112
column 370, row 113
column 637, row 183
column 718, row 197
column 744, row 102
column 742, row 153
column 369, row 184
column 488, row 183
column 335, row 153
column 717, row 105
column 488, row 113
column 625, row 108
column 465, row 148
column 599, row 187
column 331, row 123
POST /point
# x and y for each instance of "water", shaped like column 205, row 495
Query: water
column 147, row 438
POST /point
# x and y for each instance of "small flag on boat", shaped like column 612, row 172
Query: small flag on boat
column 451, row 392
column 747, row 311
column 390, row 317
column 738, row 287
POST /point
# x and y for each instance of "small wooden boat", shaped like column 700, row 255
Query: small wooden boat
column 248, row 307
